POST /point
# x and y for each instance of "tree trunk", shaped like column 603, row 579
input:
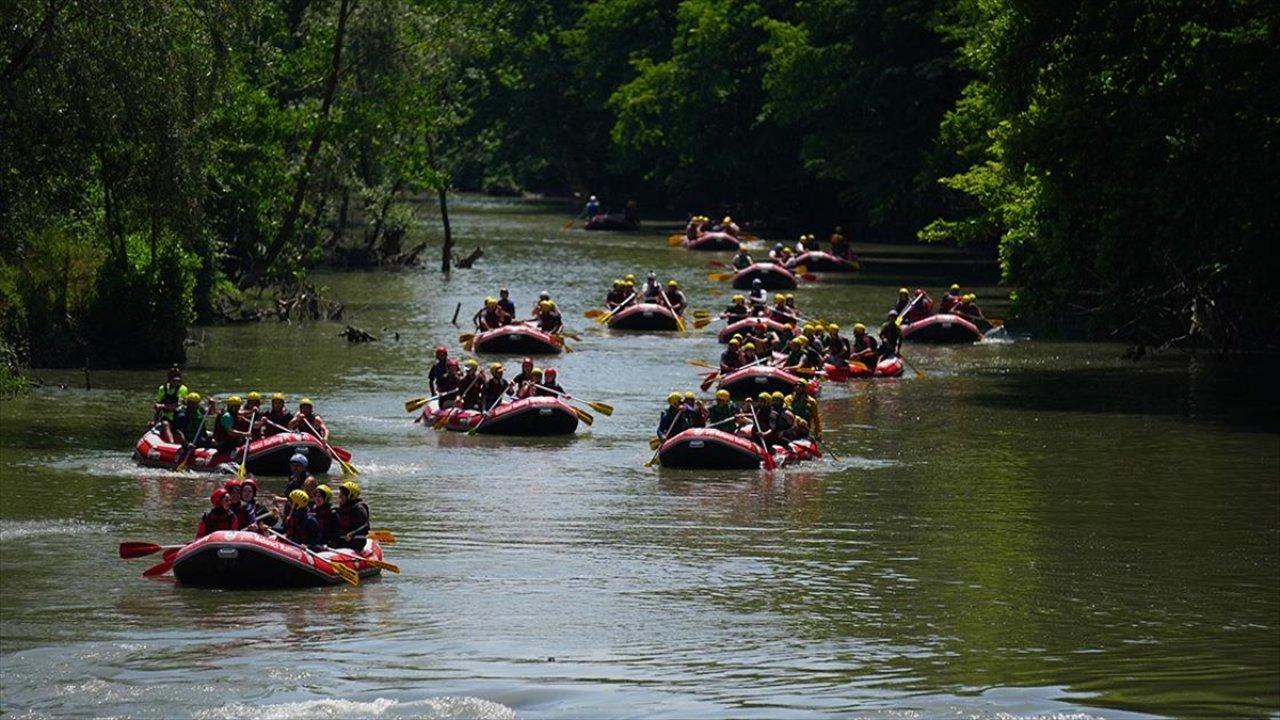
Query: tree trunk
column 446, row 252
column 378, row 224
column 289, row 227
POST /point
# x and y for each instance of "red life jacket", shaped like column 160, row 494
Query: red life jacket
column 216, row 520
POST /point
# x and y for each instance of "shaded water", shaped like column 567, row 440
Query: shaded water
column 1033, row 528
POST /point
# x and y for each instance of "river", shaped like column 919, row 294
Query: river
column 1032, row 528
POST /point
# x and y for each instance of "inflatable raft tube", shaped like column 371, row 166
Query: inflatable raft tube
column 267, row 455
column 751, row 381
column 710, row 449
column 745, row 325
column 713, row 242
column 644, row 316
column 516, row 339
column 232, row 559
column 941, row 328
column 887, row 367
column 771, row 275
column 818, row 261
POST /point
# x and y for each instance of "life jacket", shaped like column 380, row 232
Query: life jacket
column 781, row 314
column 353, row 516
column 216, row 520
column 301, row 527
column 615, row 297
column 672, row 422
column 651, row 290
column 282, row 418
column 948, row 302
column 220, row 433
column 493, row 389
column 310, row 424
column 447, row 382
column 866, row 342
column 473, row 391
column 550, row 321
column 246, row 517
column 731, row 359
column 736, row 310
column 742, row 261
column 718, row 413
column 327, row 520
column 491, row 317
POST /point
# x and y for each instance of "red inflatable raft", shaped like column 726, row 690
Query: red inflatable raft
column 711, row 449
column 231, row 559
column 530, row 416
column 771, row 275
column 644, row 316
column 713, row 241
column 517, row 339
column 942, row 328
column 745, row 325
column 818, row 261
column 267, row 455
column 886, row 367
column 762, row 378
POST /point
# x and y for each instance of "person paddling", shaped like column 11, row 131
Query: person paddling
column 863, row 347
column 840, row 246
column 805, row 407
column 722, row 412
column 353, row 517
column 890, row 336
column 617, row 295
column 495, row 387
column 549, row 319
column 673, row 298
column 969, row 310
column 549, row 384
column 490, row 316
column 472, row 383
column 652, row 288
column 278, row 417
column 736, row 310
column 438, row 369
column 219, row 517
column 188, row 421
column 228, row 431
column 672, row 421
column 949, row 301
column 758, row 298
column 300, row 525
column 731, row 358
column 326, row 516
column 308, row 421
column 543, row 297
column 169, row 398
column 298, row 475
column 742, row 259
column 250, row 510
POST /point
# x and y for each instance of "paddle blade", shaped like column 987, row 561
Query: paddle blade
column 241, row 471
column 680, row 324
column 159, row 569
column 652, row 461
column 469, row 345
column 720, row 276
column 702, row 364
column 585, row 416
column 593, row 313
column 654, row 443
column 718, row 264
column 701, row 313
column 347, row 467
column 807, row 277
column 383, row 564
column 708, row 382
column 674, row 240
column 138, row 549
column 603, row 408
column 350, row 576
column 568, row 225
column 566, row 347
column 441, row 422
column 415, row 404
column 385, row 537
column 466, row 337
column 699, row 323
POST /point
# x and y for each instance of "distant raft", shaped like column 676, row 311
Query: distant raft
column 517, row 339
column 886, row 367
column 941, row 329
column 238, row 559
column 645, row 316
column 266, row 455
column 771, row 276
column 528, row 416
column 713, row 242
column 712, row 449
column 818, row 261
column 762, row 378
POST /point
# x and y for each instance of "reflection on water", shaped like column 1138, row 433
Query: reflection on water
column 1030, row 529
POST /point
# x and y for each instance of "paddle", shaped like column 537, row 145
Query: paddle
column 240, row 471
column 449, row 414
column 824, row 447
column 769, row 463
column 702, row 322
column 911, row 365
column 602, row 319
column 161, row 567
column 898, row 320
column 674, row 240
column 569, row 224
column 720, row 276
column 191, row 445
column 662, row 294
column 347, row 467
column 603, row 408
column 559, row 337
column 386, row 537
column 344, row 572
column 702, row 313
column 703, row 364
column 418, row 403
column 133, row 549
column 720, row 264
column 654, row 459
column 593, row 313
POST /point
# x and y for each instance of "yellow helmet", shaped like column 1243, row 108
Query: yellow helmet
column 494, row 367
column 737, row 336
column 973, row 296
column 546, row 304
column 803, row 340
column 765, row 397
column 471, row 363
column 235, row 401
column 749, row 346
column 536, row 372
column 193, row 397
column 688, row 395
column 735, row 342
column 779, row 298
column 672, row 283
column 298, row 498
column 631, row 283
column 722, row 394
column 277, row 396
column 778, row 396
column 955, row 287
column 903, row 291
column 796, row 340
column 353, row 489
column 617, row 282
column 738, row 299
column 306, row 401
column 490, row 302
column 790, row 296
column 727, row 220
column 630, row 277
column 673, row 398
column 326, row 490
column 833, row 328
column 859, row 328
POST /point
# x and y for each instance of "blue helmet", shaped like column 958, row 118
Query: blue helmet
column 300, row 459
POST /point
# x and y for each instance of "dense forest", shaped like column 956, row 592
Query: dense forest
column 161, row 158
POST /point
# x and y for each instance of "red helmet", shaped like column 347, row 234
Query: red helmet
column 453, row 362
column 441, row 351
column 216, row 498
column 249, row 482
column 232, row 483
column 549, row 373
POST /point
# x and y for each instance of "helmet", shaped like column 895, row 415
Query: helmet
column 722, row 394
column 249, row 483
column 833, row 328
column 441, row 350
column 352, row 488
column 300, row 459
column 972, row 297
column 593, row 198
column 526, row 361
column 490, row 302
column 737, row 336
column 503, row 291
column 277, row 396
column 551, row 304
column 756, row 283
column 892, row 315
column 235, row 401
column 326, row 490
column 777, row 397
column 727, row 220
column 749, row 346
column 777, row 247
column 652, row 275
column 193, row 397
column 779, row 298
column 536, row 372
column 495, row 367
column 955, row 287
column 232, row 483
column 796, row 340
column 791, row 296
column 471, row 363
column 216, row 498
column 735, row 342
column 617, row 282
column 254, row 395
column 673, row 398
column 765, row 397
column 738, row 299
column 859, row 328
column 453, row 363
column 630, row 283
column 802, row 340
column 549, row 373
column 903, row 291
column 546, row 305
column 630, row 277
column 305, row 401
column 672, row 283
column 298, row 498
column 689, row 395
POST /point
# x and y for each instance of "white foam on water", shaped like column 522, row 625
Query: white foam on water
column 444, row 708
column 19, row 529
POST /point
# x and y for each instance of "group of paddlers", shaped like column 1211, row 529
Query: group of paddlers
column 785, row 255
column 465, row 386
column 306, row 514
column 773, row 418
column 624, row 293
column 918, row 306
column 180, row 415
column 700, row 224
column 799, row 343
column 500, row 311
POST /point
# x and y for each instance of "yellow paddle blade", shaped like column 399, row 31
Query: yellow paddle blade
column 566, row 347
column 240, row 471
column 415, row 404
column 469, row 345
column 346, row 573
column 701, row 313
column 569, row 224
column 654, row 443
column 799, row 270
column 441, row 422
column 674, row 240
column 585, row 416
column 700, row 323
column 383, row 536
column 347, row 467
column 466, row 337
column 680, row 324
column 383, row 564
column 603, row 408
column 703, row 364
column 720, row 276
column 593, row 313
